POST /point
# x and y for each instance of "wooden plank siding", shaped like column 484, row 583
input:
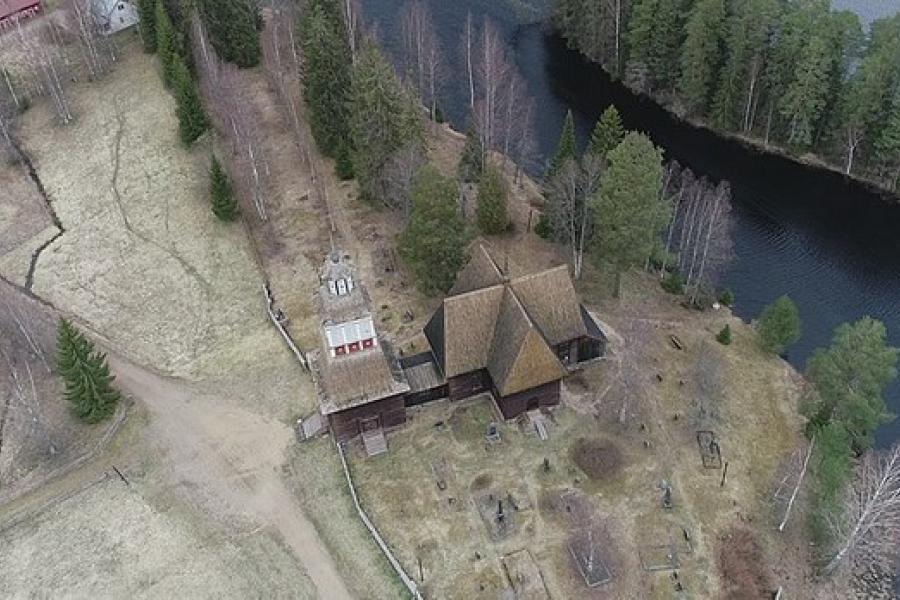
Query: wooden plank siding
column 391, row 412
column 469, row 384
column 543, row 396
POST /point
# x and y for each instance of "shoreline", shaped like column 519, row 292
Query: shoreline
column 809, row 160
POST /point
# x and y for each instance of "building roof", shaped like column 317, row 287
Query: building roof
column 507, row 326
column 357, row 379
column 345, row 307
column 11, row 7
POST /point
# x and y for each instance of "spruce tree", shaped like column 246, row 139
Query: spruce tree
column 147, row 24
column 326, row 75
column 434, row 240
column 221, row 194
column 343, row 163
column 166, row 44
column 701, row 54
column 232, row 28
column 384, row 118
column 887, row 149
column 608, row 133
column 192, row 119
column 471, row 162
column 493, row 198
column 565, row 149
column 89, row 389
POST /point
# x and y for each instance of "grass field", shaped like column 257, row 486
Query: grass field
column 143, row 259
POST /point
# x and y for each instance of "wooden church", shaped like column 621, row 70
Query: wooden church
column 515, row 338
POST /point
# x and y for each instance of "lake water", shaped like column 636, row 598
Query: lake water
column 833, row 246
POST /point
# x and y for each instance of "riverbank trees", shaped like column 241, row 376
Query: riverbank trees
column 844, row 407
column 797, row 75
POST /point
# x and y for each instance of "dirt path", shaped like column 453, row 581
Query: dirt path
column 230, row 459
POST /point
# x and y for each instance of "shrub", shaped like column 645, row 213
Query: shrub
column 724, row 336
column 726, row 298
column 673, row 283
column 542, row 228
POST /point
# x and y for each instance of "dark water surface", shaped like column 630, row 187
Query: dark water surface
column 833, row 246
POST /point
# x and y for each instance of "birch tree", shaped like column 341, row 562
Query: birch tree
column 424, row 59
column 569, row 198
column 869, row 529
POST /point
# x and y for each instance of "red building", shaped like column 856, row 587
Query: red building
column 14, row 10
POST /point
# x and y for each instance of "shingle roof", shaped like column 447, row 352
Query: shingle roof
column 480, row 272
column 506, row 326
column 520, row 357
column 549, row 298
column 469, row 321
column 357, row 379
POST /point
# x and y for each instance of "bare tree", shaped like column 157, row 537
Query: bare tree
column 468, row 43
column 869, row 529
column 43, row 62
column 700, row 229
column 492, row 69
column 424, row 63
column 98, row 50
column 229, row 100
column 569, row 205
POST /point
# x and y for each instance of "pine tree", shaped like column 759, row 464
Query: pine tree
column 629, row 215
column 192, row 119
column 701, row 54
column 89, row 389
column 434, row 240
column 565, row 149
column 147, row 24
column 326, row 75
column 779, row 325
column 221, row 194
column 608, row 133
column 166, row 44
column 233, row 31
column 493, row 198
column 849, row 378
column 384, row 118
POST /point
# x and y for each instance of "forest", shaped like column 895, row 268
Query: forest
column 795, row 75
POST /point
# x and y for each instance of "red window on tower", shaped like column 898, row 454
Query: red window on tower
column 368, row 343
column 354, row 347
column 340, row 350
